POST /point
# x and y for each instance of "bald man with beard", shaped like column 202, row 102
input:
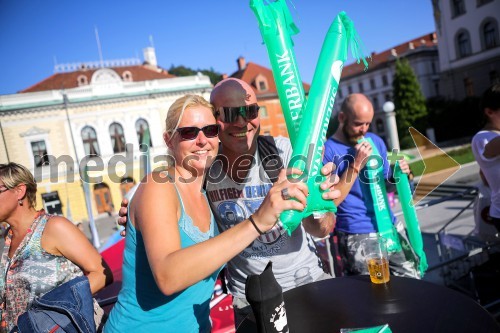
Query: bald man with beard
column 355, row 215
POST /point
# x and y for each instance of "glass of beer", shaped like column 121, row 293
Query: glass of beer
column 375, row 252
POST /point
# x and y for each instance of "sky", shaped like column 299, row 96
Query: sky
column 37, row 34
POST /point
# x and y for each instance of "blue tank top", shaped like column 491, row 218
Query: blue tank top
column 142, row 307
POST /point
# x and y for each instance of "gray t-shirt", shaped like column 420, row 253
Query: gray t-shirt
column 295, row 261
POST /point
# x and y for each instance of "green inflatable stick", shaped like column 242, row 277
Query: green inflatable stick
column 376, row 190
column 276, row 26
column 308, row 148
column 411, row 220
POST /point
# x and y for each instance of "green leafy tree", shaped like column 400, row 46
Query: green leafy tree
column 186, row 71
column 409, row 101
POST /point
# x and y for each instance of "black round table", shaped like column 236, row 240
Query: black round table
column 407, row 305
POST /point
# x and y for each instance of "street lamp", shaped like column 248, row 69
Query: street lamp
column 390, row 120
column 388, row 106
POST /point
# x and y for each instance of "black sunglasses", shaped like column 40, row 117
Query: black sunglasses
column 191, row 132
column 229, row 114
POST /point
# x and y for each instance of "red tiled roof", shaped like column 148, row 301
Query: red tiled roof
column 250, row 73
column 383, row 57
column 70, row 79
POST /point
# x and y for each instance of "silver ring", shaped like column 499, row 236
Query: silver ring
column 284, row 194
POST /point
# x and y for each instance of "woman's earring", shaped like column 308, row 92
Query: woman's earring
column 20, row 202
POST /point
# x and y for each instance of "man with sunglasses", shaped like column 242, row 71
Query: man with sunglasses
column 237, row 185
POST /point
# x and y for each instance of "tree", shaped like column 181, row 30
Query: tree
column 186, row 71
column 409, row 101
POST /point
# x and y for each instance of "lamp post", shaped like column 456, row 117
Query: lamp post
column 390, row 120
column 86, row 188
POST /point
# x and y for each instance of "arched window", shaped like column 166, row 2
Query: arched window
column 143, row 132
column 489, row 34
column 82, row 80
column 117, row 137
column 90, row 144
column 463, row 44
column 127, row 76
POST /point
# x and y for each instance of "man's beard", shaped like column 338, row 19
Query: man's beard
column 353, row 140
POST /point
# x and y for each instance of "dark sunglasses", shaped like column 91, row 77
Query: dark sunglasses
column 191, row 132
column 229, row 114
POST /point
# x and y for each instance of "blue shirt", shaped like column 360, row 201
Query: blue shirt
column 142, row 307
column 355, row 214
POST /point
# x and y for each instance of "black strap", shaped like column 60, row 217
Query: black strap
column 269, row 156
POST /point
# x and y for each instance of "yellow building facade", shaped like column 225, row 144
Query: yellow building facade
column 103, row 113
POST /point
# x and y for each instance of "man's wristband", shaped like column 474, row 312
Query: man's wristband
column 255, row 225
column 354, row 168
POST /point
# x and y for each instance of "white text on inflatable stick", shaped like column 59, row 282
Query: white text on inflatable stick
column 292, row 93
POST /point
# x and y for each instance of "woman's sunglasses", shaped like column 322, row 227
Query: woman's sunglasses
column 230, row 114
column 191, row 132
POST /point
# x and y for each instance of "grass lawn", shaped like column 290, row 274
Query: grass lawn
column 441, row 162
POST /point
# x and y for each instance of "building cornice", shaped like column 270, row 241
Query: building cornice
column 54, row 99
column 389, row 63
column 34, row 131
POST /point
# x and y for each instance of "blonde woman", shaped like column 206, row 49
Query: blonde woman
column 172, row 252
column 41, row 251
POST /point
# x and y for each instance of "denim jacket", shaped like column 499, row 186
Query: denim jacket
column 67, row 308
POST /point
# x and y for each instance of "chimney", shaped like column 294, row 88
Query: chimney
column 372, row 54
column 241, row 63
column 150, row 56
column 394, row 53
column 411, row 46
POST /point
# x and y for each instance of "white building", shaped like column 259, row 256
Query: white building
column 376, row 82
column 102, row 110
column 469, row 45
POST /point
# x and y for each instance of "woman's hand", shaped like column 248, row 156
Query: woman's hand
column 122, row 220
column 279, row 198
